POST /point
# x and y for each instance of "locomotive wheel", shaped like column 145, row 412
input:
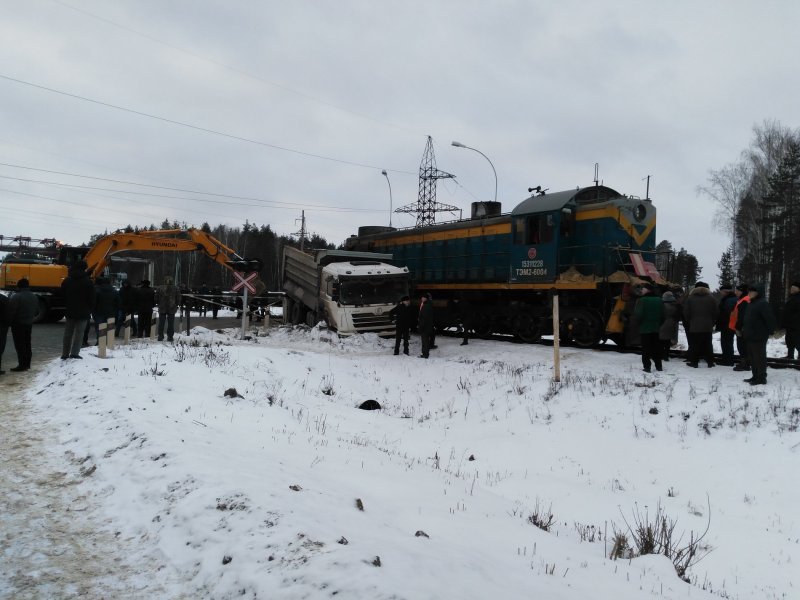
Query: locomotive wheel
column 482, row 326
column 586, row 329
column 526, row 329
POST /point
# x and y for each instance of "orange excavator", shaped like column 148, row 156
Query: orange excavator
column 45, row 274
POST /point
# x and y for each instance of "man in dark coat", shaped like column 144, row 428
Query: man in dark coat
column 649, row 312
column 145, row 301
column 22, row 310
column 402, row 316
column 203, row 291
column 106, row 303
column 127, row 306
column 78, row 292
column 169, row 299
column 3, row 327
column 791, row 321
column 759, row 324
column 726, row 305
column 425, row 324
column 668, row 332
column 217, row 293
column 700, row 312
column 737, row 322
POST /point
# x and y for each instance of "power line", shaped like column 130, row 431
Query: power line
column 291, row 205
column 230, row 67
column 198, row 128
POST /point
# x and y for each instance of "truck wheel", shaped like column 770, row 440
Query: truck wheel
column 297, row 313
column 311, row 318
column 44, row 310
column 288, row 307
column 54, row 316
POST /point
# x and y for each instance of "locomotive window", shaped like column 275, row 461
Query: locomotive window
column 536, row 229
column 519, row 231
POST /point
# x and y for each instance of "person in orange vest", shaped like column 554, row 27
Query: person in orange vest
column 735, row 324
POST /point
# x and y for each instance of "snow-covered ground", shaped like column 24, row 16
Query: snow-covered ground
column 169, row 488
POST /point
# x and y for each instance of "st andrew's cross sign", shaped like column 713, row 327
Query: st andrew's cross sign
column 244, row 281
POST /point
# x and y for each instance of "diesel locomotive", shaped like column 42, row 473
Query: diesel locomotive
column 499, row 272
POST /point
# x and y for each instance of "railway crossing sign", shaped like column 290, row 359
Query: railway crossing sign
column 244, row 281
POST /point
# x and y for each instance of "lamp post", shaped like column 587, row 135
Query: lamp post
column 460, row 145
column 385, row 174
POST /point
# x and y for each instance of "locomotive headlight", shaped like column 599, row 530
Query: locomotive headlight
column 640, row 212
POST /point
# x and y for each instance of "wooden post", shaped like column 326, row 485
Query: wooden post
column 102, row 340
column 153, row 325
column 556, row 339
column 112, row 332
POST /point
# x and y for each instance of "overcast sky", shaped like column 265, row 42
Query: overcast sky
column 258, row 110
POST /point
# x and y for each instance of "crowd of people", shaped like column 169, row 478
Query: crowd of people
column 741, row 315
column 89, row 304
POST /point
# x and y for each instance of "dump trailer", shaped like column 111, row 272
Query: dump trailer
column 352, row 292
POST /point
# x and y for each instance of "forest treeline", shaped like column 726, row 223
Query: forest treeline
column 193, row 269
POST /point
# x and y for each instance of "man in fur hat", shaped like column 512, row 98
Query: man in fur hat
column 401, row 315
column 759, row 324
column 700, row 312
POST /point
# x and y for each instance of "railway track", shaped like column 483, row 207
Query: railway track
column 772, row 363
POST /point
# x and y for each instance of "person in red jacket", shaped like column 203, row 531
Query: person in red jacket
column 736, row 323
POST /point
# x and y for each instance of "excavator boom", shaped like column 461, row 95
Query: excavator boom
column 169, row 240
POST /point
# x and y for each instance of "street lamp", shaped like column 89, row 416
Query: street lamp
column 385, row 174
column 460, row 145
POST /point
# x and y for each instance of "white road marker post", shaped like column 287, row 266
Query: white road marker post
column 556, row 340
column 101, row 340
column 245, row 308
column 112, row 332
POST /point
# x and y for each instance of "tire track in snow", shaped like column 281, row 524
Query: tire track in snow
column 53, row 541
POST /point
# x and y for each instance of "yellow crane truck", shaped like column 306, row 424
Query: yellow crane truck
column 47, row 267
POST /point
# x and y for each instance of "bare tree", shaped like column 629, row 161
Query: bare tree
column 727, row 188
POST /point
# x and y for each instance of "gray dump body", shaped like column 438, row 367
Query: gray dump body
column 301, row 273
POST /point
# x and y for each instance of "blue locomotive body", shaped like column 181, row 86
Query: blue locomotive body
column 505, row 267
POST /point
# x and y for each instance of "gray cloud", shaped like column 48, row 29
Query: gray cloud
column 543, row 89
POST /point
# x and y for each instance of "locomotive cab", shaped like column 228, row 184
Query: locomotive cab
column 542, row 225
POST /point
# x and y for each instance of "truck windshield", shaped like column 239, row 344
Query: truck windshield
column 373, row 290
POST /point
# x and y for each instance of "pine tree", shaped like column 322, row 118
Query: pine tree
column 781, row 221
column 725, row 266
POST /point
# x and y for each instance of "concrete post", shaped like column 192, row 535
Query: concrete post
column 127, row 327
column 153, row 327
column 102, row 340
column 112, row 332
